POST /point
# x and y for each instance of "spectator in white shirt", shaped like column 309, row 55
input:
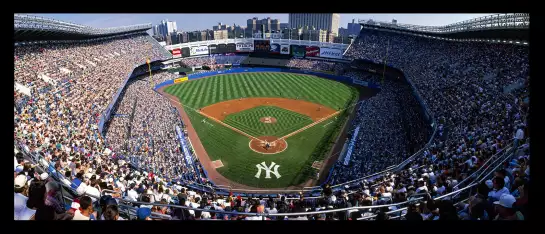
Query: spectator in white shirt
column 92, row 190
column 498, row 189
column 132, row 195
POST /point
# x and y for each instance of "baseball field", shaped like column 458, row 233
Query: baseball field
column 265, row 130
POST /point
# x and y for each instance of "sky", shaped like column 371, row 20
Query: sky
column 192, row 22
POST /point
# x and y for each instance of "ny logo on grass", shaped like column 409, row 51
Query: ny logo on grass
column 268, row 170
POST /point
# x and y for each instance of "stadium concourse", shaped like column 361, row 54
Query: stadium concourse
column 473, row 151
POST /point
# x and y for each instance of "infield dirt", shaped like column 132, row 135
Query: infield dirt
column 221, row 110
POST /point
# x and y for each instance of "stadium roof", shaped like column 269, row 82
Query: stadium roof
column 35, row 28
column 514, row 26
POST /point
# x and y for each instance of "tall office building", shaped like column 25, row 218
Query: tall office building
column 155, row 29
column 252, row 24
column 220, row 34
column 220, row 26
column 165, row 28
column 328, row 22
column 265, row 25
column 275, row 25
column 284, row 26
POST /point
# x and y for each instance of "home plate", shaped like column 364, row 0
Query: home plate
column 217, row 164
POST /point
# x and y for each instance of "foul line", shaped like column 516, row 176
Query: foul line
column 255, row 138
column 308, row 126
column 212, row 118
column 229, row 126
column 317, row 122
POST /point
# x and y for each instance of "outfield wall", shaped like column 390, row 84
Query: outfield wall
column 344, row 79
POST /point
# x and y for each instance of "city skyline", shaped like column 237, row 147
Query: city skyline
column 193, row 22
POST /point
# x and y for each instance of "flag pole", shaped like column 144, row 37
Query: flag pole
column 149, row 69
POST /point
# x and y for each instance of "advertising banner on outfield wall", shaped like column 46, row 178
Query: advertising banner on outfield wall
column 275, row 49
column 298, row 51
column 185, row 52
column 331, row 53
column 231, row 48
column 245, row 47
column 199, row 50
column 312, row 51
column 213, row 49
column 284, row 49
column 180, row 80
column 176, row 53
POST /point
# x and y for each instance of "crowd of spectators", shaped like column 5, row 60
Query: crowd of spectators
column 461, row 83
column 316, row 65
column 392, row 127
column 229, row 59
column 199, row 61
column 144, row 128
column 504, row 197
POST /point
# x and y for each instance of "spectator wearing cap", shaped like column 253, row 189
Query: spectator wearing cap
column 504, row 208
column 143, row 213
column 21, row 209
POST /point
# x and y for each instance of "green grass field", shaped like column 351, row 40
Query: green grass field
column 232, row 148
column 248, row 121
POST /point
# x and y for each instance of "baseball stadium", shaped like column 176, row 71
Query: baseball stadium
column 404, row 122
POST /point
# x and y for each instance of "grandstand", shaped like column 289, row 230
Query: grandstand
column 447, row 132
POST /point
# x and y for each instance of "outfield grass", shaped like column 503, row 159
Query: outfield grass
column 248, row 121
column 232, row 148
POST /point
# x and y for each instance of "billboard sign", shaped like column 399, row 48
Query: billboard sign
column 199, row 50
column 245, row 47
column 262, row 46
column 213, row 49
column 298, row 51
column 231, row 48
column 312, row 51
column 285, row 49
column 180, row 80
column 275, row 49
column 185, row 52
column 176, row 53
column 331, row 53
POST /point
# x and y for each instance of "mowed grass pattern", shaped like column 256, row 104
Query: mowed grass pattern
column 222, row 143
column 249, row 121
column 206, row 91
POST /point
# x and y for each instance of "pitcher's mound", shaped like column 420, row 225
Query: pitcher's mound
column 268, row 145
column 268, row 120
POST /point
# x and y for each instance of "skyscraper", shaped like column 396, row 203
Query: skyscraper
column 155, row 30
column 265, row 25
column 166, row 28
column 328, row 22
